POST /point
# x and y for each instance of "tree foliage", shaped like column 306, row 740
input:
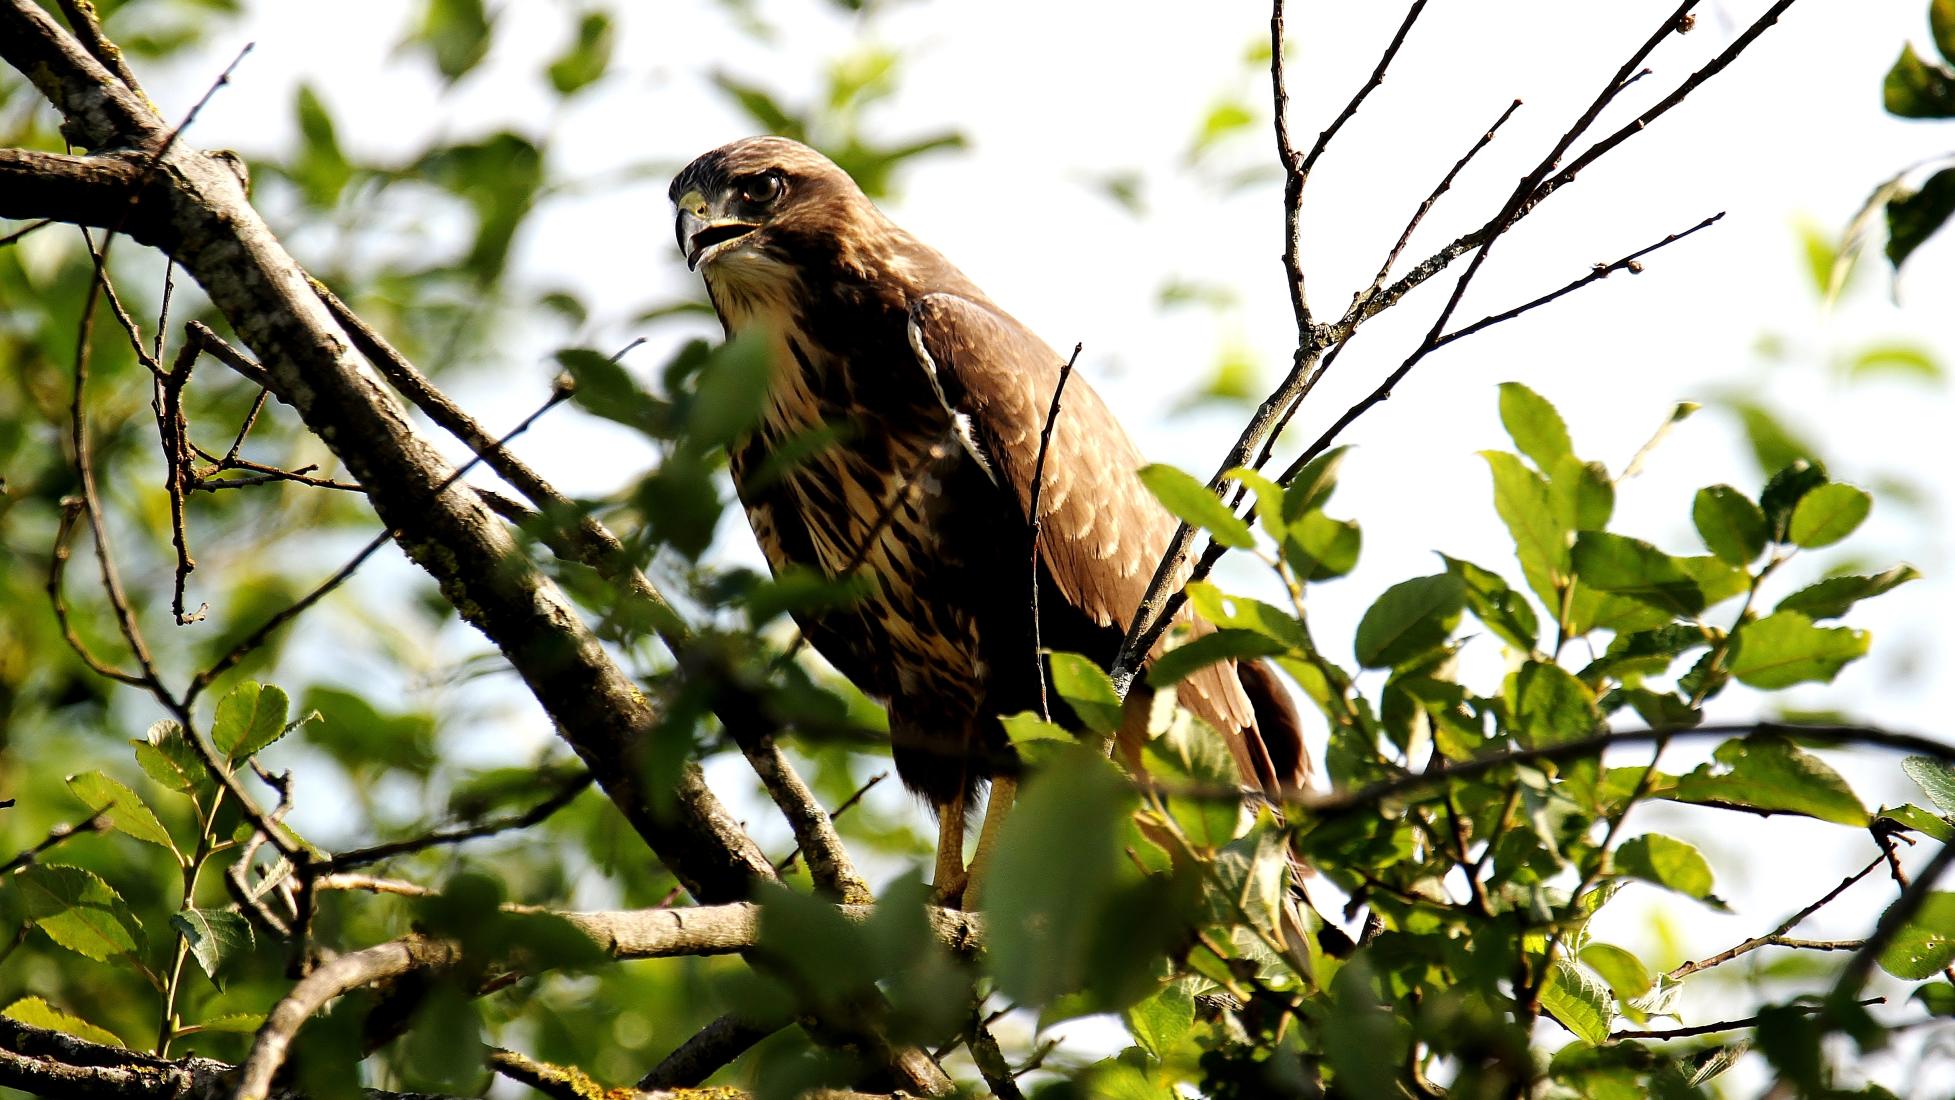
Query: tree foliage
column 266, row 838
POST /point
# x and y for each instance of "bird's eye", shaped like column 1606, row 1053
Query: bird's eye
column 763, row 189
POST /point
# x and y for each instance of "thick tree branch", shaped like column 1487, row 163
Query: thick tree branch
column 267, row 299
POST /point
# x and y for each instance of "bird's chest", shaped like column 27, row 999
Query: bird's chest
column 853, row 469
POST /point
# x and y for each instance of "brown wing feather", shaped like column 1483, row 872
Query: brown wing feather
column 1101, row 532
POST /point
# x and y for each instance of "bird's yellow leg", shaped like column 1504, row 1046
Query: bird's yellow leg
column 949, row 880
column 1004, row 792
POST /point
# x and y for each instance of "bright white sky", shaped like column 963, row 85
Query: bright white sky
column 1053, row 95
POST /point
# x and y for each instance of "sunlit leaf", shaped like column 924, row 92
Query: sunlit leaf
column 35, row 1012
column 167, row 757
column 1085, row 688
column 1731, row 526
column 1579, row 1001
column 1625, row 973
column 1915, row 88
column 1670, row 863
column 1521, row 497
column 1161, row 1023
column 1410, row 619
column 1834, row 596
column 1536, row 428
column 1785, row 648
column 1192, row 503
column 1221, row 645
column 1828, row 514
column 1582, row 494
column 214, row 936
column 248, row 720
column 127, row 811
column 584, row 61
column 77, row 910
column 1623, row 566
column 1770, row 774
column 1551, row 706
column 1935, row 778
column 1783, row 491
column 1311, row 489
column 1504, row 611
column 1925, row 944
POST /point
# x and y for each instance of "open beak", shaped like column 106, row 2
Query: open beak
column 697, row 235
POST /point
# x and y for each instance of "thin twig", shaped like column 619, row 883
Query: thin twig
column 787, row 862
column 30, row 227
column 87, row 29
column 94, row 823
column 709, row 1049
column 1775, row 936
column 71, row 510
column 1351, row 108
column 1722, row 1025
column 1038, row 521
column 566, row 793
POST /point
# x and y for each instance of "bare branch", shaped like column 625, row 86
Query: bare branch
column 702, row 1055
column 1038, row 521
column 1776, row 936
column 94, row 823
column 1861, row 965
column 1721, row 1025
column 567, row 792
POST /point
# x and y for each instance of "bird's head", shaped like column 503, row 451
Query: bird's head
column 741, row 208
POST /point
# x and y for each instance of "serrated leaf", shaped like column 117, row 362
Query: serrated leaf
column 35, row 1012
column 1670, row 863
column 1191, row 502
column 1828, row 514
column 1936, row 780
column 1410, row 619
column 1492, row 601
column 166, row 756
column 1221, row 645
column 128, row 814
column 1536, row 428
column 1161, row 1023
column 1731, row 526
column 1835, row 596
column 214, row 936
column 1579, row 1001
column 1925, row 944
column 239, row 1023
column 1785, row 648
column 1622, row 566
column 1769, row 774
column 1085, row 688
column 250, row 718
column 77, row 910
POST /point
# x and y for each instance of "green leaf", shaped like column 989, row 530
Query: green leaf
column 1085, row 688
column 1026, row 729
column 77, row 910
column 1521, row 497
column 1916, row 819
column 1785, row 648
column 1161, row 1023
column 1769, row 774
column 167, row 757
column 1625, row 973
column 1914, row 216
column 1925, row 945
column 456, row 33
column 1579, row 1000
column 1900, row 360
column 1269, row 499
column 321, row 169
column 1668, row 862
column 35, row 1012
column 1731, row 526
column 1222, row 645
column 235, row 1023
column 584, row 62
column 730, row 391
column 1941, row 23
column 1918, row 89
column 1504, row 611
column 1244, row 613
column 1038, row 938
column 1936, row 780
column 1619, row 565
column 1189, row 749
column 214, row 936
column 1310, row 490
column 1835, row 596
column 249, row 719
column 604, row 388
column 1537, row 429
column 1551, row 706
column 127, row 811
column 1582, row 494
column 1318, row 548
column 1410, row 619
column 1828, row 514
column 1783, row 491
column 1192, row 503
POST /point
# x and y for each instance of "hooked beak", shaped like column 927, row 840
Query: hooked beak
column 697, row 235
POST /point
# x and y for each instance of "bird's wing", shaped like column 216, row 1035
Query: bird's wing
column 1101, row 532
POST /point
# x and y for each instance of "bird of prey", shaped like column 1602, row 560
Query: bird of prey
column 923, row 403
